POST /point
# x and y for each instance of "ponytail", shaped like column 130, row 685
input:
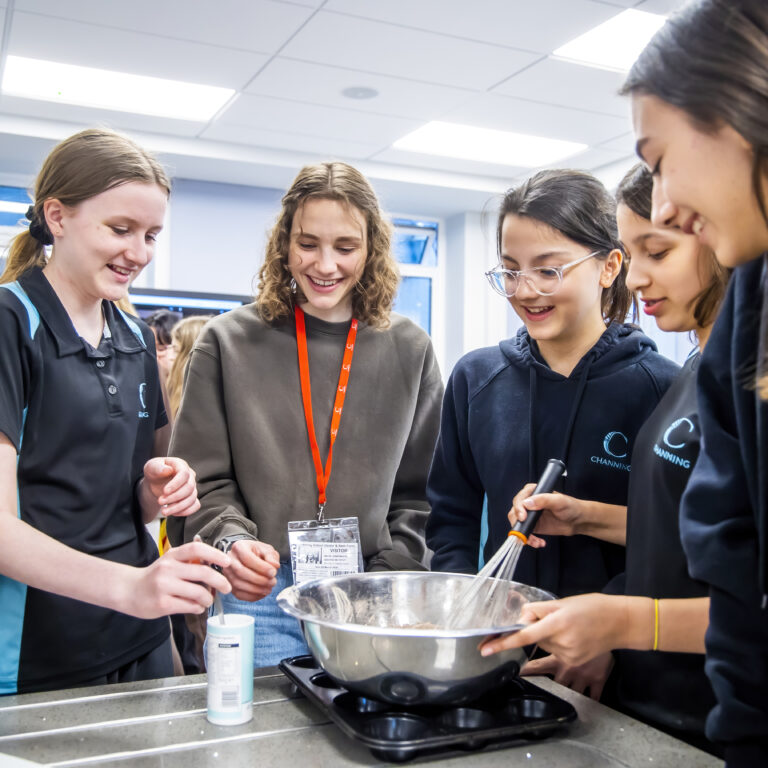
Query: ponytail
column 25, row 252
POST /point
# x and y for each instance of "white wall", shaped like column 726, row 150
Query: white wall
column 217, row 234
column 475, row 315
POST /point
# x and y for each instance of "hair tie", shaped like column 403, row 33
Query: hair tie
column 37, row 229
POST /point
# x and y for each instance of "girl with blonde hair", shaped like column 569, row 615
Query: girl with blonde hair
column 83, row 434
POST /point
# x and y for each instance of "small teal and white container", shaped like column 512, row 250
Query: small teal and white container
column 229, row 659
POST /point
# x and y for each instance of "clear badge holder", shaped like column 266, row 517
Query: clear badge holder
column 324, row 547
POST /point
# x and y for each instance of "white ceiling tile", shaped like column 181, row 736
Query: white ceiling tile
column 566, row 84
column 250, row 25
column 505, row 113
column 71, row 42
column 370, row 46
column 665, row 7
column 618, row 3
column 84, row 116
column 319, row 84
column 511, row 24
column 449, row 164
column 312, row 120
column 320, row 146
column 594, row 157
column 308, row 3
column 623, row 143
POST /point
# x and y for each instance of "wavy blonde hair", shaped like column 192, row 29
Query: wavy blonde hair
column 183, row 335
column 80, row 167
column 374, row 292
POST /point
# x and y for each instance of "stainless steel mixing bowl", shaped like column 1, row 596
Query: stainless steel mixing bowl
column 382, row 635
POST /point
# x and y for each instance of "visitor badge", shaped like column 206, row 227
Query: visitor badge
column 322, row 548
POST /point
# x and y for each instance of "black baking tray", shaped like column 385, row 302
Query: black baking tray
column 518, row 711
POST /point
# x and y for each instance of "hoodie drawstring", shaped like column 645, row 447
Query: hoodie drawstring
column 568, row 436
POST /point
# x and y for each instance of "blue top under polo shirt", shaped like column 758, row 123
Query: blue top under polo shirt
column 83, row 422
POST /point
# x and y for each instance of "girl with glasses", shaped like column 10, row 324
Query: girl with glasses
column 700, row 111
column 575, row 383
column 655, row 605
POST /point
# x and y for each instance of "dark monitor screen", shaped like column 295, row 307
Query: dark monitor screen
column 184, row 303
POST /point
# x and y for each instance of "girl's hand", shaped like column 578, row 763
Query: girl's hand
column 576, row 629
column 560, row 516
column 179, row 582
column 171, row 483
column 252, row 570
column 591, row 675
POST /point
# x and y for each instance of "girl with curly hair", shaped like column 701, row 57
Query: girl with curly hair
column 257, row 429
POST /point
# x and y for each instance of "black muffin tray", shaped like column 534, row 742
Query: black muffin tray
column 519, row 711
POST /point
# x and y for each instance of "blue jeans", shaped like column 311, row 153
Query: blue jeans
column 277, row 635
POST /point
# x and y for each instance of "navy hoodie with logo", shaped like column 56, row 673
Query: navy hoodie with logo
column 724, row 519
column 505, row 413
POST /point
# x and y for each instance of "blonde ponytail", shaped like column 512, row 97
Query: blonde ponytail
column 25, row 252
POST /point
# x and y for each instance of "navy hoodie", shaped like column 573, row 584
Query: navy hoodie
column 724, row 520
column 505, row 413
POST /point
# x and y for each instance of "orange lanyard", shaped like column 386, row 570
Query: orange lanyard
column 338, row 405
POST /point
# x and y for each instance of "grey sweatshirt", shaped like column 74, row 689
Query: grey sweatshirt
column 241, row 427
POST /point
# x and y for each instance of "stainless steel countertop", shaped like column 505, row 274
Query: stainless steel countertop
column 161, row 724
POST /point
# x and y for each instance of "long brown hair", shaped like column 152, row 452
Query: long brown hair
column 80, row 167
column 374, row 292
column 578, row 206
column 710, row 60
column 635, row 191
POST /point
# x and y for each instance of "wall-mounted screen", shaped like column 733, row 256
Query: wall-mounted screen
column 184, row 303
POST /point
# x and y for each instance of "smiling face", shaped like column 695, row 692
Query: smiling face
column 574, row 310
column 702, row 181
column 326, row 256
column 667, row 268
column 102, row 244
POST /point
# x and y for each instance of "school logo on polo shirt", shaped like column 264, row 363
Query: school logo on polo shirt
column 615, row 448
column 143, row 413
column 675, row 440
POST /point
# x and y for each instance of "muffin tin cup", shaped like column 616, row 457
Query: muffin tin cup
column 518, row 711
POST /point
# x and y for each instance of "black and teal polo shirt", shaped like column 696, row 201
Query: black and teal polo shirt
column 83, row 422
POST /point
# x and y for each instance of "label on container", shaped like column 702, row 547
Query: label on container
column 224, row 673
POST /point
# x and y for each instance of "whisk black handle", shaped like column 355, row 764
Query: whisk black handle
column 547, row 482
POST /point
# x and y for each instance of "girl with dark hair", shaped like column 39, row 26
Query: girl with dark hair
column 325, row 294
column 655, row 604
column 700, row 110
column 575, row 384
column 83, row 434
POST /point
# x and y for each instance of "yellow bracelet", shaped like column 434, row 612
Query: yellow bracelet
column 656, row 624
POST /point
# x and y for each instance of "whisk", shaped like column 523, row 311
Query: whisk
column 501, row 566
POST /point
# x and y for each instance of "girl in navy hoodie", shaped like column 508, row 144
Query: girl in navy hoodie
column 655, row 605
column 700, row 111
column 576, row 384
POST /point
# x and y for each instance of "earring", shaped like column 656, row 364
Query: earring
column 292, row 287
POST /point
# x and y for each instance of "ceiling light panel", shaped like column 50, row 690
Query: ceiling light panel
column 487, row 145
column 103, row 89
column 614, row 44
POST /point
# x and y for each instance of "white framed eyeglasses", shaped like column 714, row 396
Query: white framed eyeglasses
column 544, row 280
